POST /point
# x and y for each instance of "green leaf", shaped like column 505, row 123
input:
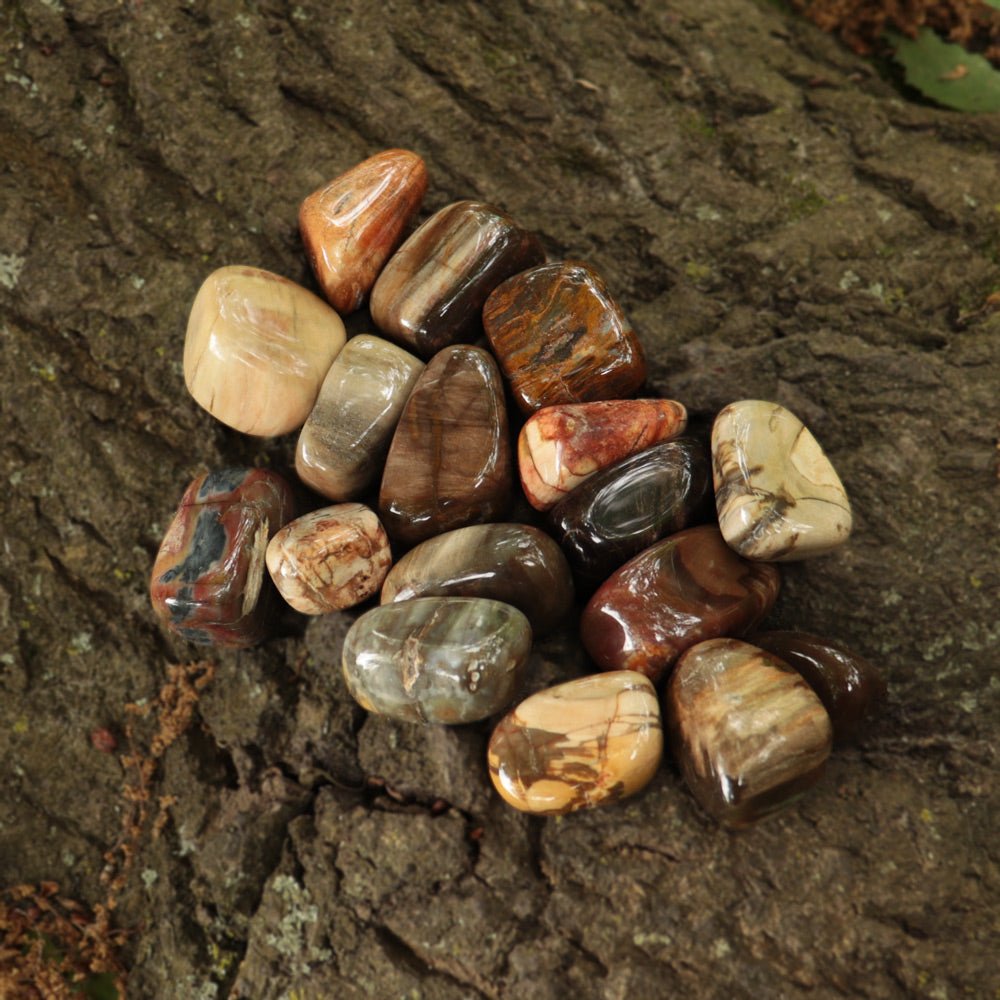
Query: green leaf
column 948, row 74
column 992, row 3
column 99, row 987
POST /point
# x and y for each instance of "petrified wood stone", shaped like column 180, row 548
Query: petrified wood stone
column 748, row 732
column 437, row 659
column 432, row 291
column 561, row 338
column 587, row 742
column 514, row 563
column 449, row 463
column 331, row 559
column 208, row 583
column 351, row 225
column 680, row 591
column 778, row 496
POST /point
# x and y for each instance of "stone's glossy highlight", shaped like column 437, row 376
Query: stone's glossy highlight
column 748, row 732
column 778, row 496
column 329, row 560
column 432, row 291
column 587, row 742
column 351, row 225
column 514, row 563
column 623, row 509
column 850, row 688
column 342, row 447
column 437, row 659
column 560, row 447
column 561, row 338
column 449, row 463
column 208, row 583
column 680, row 591
column 257, row 349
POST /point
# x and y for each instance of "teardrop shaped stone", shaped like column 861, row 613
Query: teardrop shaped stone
column 342, row 446
column 352, row 225
column 437, row 659
column 559, row 447
column 588, row 742
column 748, row 732
column 449, row 463
column 778, row 496
column 680, row 591
column 623, row 509
column 514, row 563
column 209, row 583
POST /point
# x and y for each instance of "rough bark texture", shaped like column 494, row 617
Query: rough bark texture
column 777, row 222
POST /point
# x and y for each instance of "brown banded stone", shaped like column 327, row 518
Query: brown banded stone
column 748, row 732
column 449, row 463
column 680, row 591
column 432, row 290
column 351, row 225
column 561, row 338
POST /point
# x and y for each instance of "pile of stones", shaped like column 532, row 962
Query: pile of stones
column 420, row 415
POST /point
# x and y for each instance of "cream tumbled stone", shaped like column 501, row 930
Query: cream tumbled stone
column 257, row 349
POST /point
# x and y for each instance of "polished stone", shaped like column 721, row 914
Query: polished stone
column 331, row 559
column 561, row 338
column 850, row 688
column 352, row 225
column 623, row 509
column 342, row 446
column 432, row 291
column 257, row 349
column 559, row 447
column 588, row 742
column 748, row 732
column 209, row 583
column 680, row 591
column 514, row 563
column 777, row 493
column 449, row 463
column 437, row 659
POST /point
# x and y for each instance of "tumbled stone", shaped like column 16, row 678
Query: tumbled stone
column 561, row 338
column 449, row 463
column 208, row 583
column 257, row 349
column 352, row 225
column 343, row 444
column 329, row 560
column 432, row 290
column 623, row 509
column 437, row 659
column 777, row 494
column 680, row 591
column 850, row 688
column 559, row 447
column 514, row 563
column 748, row 732
column 588, row 742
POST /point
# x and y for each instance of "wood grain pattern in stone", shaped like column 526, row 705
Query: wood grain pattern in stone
column 449, row 463
column 778, row 496
column 331, row 559
column 680, row 591
column 437, row 659
column 208, row 583
column 514, row 563
column 342, row 446
column 352, row 225
column 432, row 290
column 749, row 734
column 559, row 447
column 561, row 338
column 257, row 349
column 588, row 742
